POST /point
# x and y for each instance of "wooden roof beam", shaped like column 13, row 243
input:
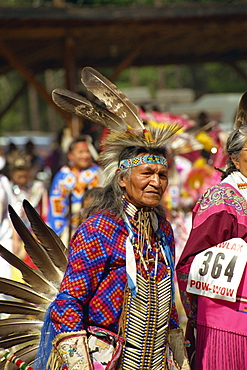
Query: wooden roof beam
column 30, row 78
column 128, row 61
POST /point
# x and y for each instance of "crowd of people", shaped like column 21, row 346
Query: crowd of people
column 123, row 215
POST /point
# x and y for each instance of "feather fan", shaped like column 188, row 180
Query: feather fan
column 77, row 104
column 35, row 250
column 241, row 116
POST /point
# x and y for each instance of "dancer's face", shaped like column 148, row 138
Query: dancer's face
column 146, row 184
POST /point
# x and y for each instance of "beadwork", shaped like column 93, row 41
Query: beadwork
column 143, row 159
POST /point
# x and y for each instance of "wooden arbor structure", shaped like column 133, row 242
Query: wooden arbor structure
column 35, row 39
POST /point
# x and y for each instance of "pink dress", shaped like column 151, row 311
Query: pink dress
column 221, row 336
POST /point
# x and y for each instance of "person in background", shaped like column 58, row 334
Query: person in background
column 36, row 161
column 6, row 230
column 25, row 187
column 211, row 276
column 69, row 185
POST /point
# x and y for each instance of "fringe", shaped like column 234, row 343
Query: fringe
column 55, row 360
column 221, row 350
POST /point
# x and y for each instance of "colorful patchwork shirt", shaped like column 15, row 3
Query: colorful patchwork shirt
column 92, row 289
column 69, row 181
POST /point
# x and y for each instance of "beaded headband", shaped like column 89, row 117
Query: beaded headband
column 143, row 159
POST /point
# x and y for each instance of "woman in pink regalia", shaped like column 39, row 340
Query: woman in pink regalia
column 210, row 272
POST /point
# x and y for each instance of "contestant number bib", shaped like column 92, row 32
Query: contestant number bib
column 217, row 271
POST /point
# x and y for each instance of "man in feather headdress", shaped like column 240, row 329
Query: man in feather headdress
column 115, row 308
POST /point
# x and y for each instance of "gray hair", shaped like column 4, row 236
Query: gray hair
column 234, row 145
column 110, row 196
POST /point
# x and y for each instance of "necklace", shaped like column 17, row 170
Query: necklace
column 241, row 182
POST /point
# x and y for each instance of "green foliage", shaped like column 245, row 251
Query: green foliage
column 224, row 78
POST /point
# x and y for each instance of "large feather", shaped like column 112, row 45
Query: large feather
column 30, row 275
column 14, row 307
column 114, row 99
column 241, row 116
column 19, row 325
column 18, row 339
column 35, row 250
column 48, row 238
column 22, row 291
column 77, row 104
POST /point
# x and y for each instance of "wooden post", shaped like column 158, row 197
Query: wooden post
column 75, row 122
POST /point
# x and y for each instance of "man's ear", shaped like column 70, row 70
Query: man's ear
column 121, row 180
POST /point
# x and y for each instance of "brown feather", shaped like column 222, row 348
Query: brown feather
column 18, row 339
column 114, row 99
column 34, row 249
column 48, row 238
column 79, row 105
column 241, row 115
column 27, row 354
column 19, row 325
column 13, row 307
column 30, row 275
column 22, row 291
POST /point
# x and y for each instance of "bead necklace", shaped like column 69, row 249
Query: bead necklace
column 241, row 182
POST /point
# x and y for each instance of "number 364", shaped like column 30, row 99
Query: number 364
column 217, row 266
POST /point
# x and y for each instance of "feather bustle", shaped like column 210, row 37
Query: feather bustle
column 22, row 291
column 48, row 238
column 17, row 340
column 34, row 249
column 19, row 325
column 30, row 275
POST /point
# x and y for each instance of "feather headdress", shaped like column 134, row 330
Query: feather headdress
column 114, row 145
column 241, row 115
column 120, row 116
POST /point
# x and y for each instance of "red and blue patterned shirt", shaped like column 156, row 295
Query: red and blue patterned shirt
column 92, row 289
